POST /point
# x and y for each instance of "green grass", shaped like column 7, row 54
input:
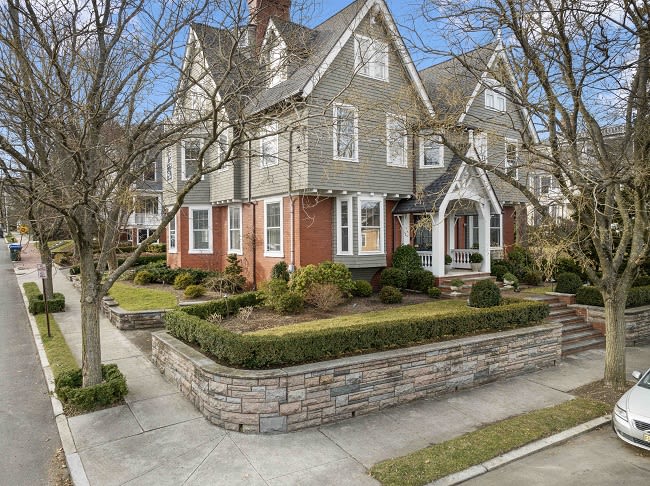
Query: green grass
column 429, row 308
column 61, row 246
column 57, row 350
column 440, row 460
column 132, row 298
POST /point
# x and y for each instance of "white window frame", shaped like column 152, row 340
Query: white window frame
column 277, row 62
column 270, row 143
column 495, row 99
column 273, row 253
column 339, row 226
column 500, row 230
column 191, row 210
column 168, row 164
column 392, row 134
column 434, row 140
column 355, row 145
column 172, row 235
column 375, row 65
column 382, row 225
column 183, row 165
column 231, row 248
column 506, row 163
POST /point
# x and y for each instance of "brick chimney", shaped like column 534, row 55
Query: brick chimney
column 262, row 10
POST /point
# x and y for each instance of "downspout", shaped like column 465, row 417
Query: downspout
column 254, row 206
column 292, row 249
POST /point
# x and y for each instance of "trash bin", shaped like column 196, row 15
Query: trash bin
column 14, row 251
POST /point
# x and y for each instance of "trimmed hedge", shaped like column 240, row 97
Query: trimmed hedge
column 36, row 302
column 568, row 283
column 266, row 351
column 636, row 297
column 113, row 389
column 224, row 307
column 484, row 293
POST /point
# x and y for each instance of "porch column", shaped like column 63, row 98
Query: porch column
column 451, row 232
column 483, row 210
column 438, row 244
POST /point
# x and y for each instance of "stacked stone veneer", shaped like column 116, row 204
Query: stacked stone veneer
column 287, row 399
column 129, row 320
column 637, row 322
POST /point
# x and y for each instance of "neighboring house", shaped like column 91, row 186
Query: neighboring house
column 146, row 213
column 358, row 172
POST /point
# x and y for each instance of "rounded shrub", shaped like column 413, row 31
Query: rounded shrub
column 484, row 293
column 324, row 273
column 568, row 283
column 324, row 297
column 588, row 295
column 532, row 277
column 476, row 258
column 143, row 277
column 289, row 303
column 362, row 288
column 499, row 270
column 280, row 270
column 390, row 295
column 182, row 280
column 194, row 291
column 434, row 292
column 421, row 280
column 406, row 258
column 393, row 277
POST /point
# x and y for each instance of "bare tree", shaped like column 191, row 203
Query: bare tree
column 580, row 74
column 92, row 91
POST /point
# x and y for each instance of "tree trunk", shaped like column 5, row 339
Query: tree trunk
column 615, row 340
column 90, row 299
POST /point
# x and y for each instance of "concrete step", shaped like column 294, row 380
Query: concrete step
column 585, row 335
column 584, row 345
column 578, row 326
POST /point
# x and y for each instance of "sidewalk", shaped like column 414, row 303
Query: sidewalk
column 159, row 438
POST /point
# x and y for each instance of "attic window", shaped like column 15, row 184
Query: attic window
column 495, row 98
column 371, row 58
column 277, row 62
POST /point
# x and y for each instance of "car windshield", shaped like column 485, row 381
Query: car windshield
column 645, row 380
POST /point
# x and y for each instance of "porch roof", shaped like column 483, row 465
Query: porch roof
column 433, row 194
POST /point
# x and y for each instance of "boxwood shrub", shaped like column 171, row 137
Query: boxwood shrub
column 636, row 296
column 568, row 283
column 421, row 280
column 266, row 351
column 224, row 307
column 112, row 389
column 393, row 277
column 36, row 304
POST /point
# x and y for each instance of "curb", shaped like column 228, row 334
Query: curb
column 75, row 466
column 521, row 452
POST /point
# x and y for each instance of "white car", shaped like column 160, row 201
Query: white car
column 631, row 419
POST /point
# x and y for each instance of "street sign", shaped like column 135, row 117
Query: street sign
column 42, row 271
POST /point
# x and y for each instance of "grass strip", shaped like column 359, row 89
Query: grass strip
column 132, row 298
column 433, row 308
column 439, row 460
column 56, row 348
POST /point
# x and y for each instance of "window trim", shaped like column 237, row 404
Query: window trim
column 169, row 164
column 270, row 128
column 183, row 164
column 506, row 166
column 339, row 226
column 172, row 248
column 271, row 253
column 497, row 95
column 191, row 210
column 359, row 63
column 355, row 111
column 437, row 139
column 382, row 225
column 396, row 118
column 237, row 251
column 494, row 228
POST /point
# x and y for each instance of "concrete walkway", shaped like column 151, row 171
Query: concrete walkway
column 159, row 438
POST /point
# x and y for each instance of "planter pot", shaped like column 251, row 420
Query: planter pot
column 447, row 268
column 476, row 267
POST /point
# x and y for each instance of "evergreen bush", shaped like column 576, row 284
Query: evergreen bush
column 390, row 295
column 568, row 283
column 362, row 288
column 421, row 280
column 112, row 389
column 194, row 291
column 324, row 273
column 484, row 293
column 406, row 258
column 393, row 277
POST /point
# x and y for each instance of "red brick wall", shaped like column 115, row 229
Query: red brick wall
column 314, row 230
column 508, row 227
column 182, row 258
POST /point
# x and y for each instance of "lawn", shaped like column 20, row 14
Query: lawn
column 440, row 460
column 56, row 348
column 132, row 298
column 433, row 308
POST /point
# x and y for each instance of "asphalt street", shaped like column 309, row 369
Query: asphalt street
column 28, row 432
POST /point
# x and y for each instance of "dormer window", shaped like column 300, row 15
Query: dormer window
column 371, row 57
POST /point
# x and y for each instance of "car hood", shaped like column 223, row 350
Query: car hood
column 637, row 401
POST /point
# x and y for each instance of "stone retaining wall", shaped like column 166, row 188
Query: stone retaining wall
column 292, row 398
column 129, row 320
column 637, row 321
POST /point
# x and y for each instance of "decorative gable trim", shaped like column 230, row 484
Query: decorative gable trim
column 395, row 36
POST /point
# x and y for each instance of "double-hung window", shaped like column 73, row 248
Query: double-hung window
column 191, row 151
column 344, row 225
column 495, row 230
column 346, row 140
column 511, row 158
column 169, row 164
column 432, row 152
column 269, row 145
column 371, row 225
column 396, row 141
column 200, row 229
column 495, row 98
column 371, row 57
column 171, row 236
column 273, row 228
column 234, row 230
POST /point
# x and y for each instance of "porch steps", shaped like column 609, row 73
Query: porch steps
column 577, row 334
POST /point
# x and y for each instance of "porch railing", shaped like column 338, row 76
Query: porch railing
column 426, row 258
column 460, row 258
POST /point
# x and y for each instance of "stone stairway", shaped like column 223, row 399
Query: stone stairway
column 577, row 334
column 444, row 282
